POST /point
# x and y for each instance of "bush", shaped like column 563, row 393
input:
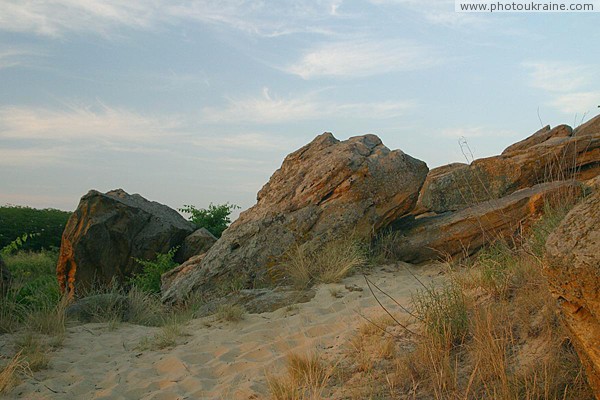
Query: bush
column 215, row 219
column 149, row 279
column 46, row 225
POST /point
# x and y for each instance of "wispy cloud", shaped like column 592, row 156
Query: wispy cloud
column 13, row 57
column 566, row 84
column 59, row 17
column 97, row 123
column 55, row 18
column 269, row 109
column 476, row 131
column 577, row 102
column 556, row 76
column 363, row 58
column 21, row 157
column 436, row 12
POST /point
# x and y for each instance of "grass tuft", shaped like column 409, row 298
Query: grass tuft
column 304, row 266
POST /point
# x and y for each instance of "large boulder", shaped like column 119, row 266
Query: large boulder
column 108, row 231
column 197, row 243
column 326, row 189
column 463, row 232
column 548, row 155
column 573, row 271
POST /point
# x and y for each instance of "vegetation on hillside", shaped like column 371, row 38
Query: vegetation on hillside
column 45, row 227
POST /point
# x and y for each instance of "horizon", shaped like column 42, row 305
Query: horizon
column 199, row 102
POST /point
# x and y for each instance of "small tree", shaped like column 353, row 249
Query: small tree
column 215, row 219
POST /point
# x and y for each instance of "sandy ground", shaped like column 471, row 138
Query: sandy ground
column 221, row 361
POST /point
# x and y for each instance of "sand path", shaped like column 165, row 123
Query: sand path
column 220, row 361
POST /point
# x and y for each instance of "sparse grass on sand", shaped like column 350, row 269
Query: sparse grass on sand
column 305, row 266
column 305, row 379
column 492, row 331
column 11, row 372
column 166, row 337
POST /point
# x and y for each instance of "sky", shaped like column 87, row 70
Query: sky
column 198, row 101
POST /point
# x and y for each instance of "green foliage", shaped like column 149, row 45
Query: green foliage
column 33, row 288
column 17, row 244
column 148, row 280
column 47, row 225
column 215, row 219
column 34, row 281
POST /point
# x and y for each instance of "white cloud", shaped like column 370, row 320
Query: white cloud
column 577, row 102
column 59, row 17
column 558, row 76
column 24, row 157
column 362, row 58
column 566, row 85
column 268, row 109
column 437, row 12
column 476, row 131
column 55, row 18
column 100, row 123
column 11, row 57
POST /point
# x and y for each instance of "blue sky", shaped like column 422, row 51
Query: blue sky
column 192, row 102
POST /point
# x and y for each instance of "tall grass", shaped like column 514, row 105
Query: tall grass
column 492, row 331
column 305, row 264
column 305, row 379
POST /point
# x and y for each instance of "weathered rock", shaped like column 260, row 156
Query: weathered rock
column 547, row 156
column 465, row 231
column 326, row 189
column 197, row 243
column 89, row 308
column 589, row 128
column 106, row 233
column 539, row 137
column 180, row 272
column 5, row 278
column 573, row 271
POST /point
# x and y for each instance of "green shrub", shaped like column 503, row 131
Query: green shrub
column 149, row 279
column 215, row 219
column 47, row 225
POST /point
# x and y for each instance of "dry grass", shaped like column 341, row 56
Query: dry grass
column 50, row 319
column 167, row 337
column 304, row 266
column 491, row 332
column 35, row 351
column 306, row 378
column 9, row 375
column 230, row 313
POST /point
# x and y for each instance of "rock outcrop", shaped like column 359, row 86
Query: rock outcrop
column 197, row 243
column 108, row 231
column 326, row 189
column 463, row 232
column 573, row 271
column 548, row 155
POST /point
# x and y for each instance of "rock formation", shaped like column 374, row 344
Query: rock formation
column 108, row 231
column 573, row 271
column 548, row 155
column 463, row 232
column 197, row 243
column 326, row 189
